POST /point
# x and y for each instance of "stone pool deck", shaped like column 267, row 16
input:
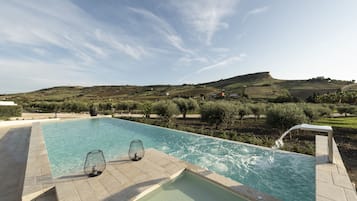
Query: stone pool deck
column 126, row 180
column 122, row 180
column 332, row 181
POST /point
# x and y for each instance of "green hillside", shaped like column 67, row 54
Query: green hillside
column 260, row 86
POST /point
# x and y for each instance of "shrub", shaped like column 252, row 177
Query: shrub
column 311, row 112
column 147, row 109
column 212, row 113
column 74, row 107
column 192, row 105
column 218, row 113
column 257, row 110
column 165, row 109
column 186, row 105
column 92, row 110
column 243, row 110
column 105, row 107
column 346, row 110
column 285, row 116
column 324, row 111
column 126, row 105
column 10, row 111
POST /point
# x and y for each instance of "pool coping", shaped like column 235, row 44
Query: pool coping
column 228, row 184
column 121, row 178
column 332, row 180
column 38, row 177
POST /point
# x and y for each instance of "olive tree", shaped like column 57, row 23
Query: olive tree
column 185, row 105
column 284, row 116
column 257, row 109
column 346, row 110
column 311, row 112
column 216, row 113
column 165, row 109
column 147, row 109
column 243, row 110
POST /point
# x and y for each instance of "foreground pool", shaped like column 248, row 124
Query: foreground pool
column 189, row 186
column 286, row 176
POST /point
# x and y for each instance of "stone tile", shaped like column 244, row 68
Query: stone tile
column 351, row 195
column 324, row 176
column 138, row 177
column 321, row 198
column 340, row 189
column 85, row 191
column 328, row 167
column 98, row 189
column 67, row 191
column 342, row 170
column 331, row 191
column 109, row 183
column 120, row 177
column 341, row 180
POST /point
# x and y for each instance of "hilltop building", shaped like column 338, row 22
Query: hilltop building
column 7, row 103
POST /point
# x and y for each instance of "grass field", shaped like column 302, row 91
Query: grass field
column 343, row 122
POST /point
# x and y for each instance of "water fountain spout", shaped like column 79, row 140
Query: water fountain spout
column 308, row 127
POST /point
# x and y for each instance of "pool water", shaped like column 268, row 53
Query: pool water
column 286, row 176
column 191, row 187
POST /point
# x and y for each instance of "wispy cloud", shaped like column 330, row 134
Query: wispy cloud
column 220, row 49
column 206, row 16
column 224, row 62
column 163, row 28
column 255, row 11
column 189, row 60
column 135, row 52
column 218, row 64
column 60, row 24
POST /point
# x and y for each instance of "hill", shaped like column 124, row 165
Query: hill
column 258, row 86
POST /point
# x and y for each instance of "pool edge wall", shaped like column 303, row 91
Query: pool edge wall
column 38, row 177
column 332, row 180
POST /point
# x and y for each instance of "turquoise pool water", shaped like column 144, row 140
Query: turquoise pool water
column 191, row 187
column 287, row 176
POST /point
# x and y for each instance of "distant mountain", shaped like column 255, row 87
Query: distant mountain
column 255, row 86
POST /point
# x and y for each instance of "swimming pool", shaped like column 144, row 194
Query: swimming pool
column 287, row 176
column 189, row 186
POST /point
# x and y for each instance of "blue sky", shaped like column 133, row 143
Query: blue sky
column 47, row 43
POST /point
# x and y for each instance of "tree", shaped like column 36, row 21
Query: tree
column 311, row 112
column 126, row 105
column 242, row 111
column 192, row 105
column 185, row 105
column 346, row 110
column 147, row 109
column 166, row 109
column 285, row 116
column 92, row 110
column 212, row 113
column 216, row 113
column 257, row 109
column 182, row 105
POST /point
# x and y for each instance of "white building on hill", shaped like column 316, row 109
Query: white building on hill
column 7, row 103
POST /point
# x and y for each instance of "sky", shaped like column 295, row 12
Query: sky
column 46, row 43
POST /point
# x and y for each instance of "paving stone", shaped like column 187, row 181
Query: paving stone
column 331, row 191
column 351, row 195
